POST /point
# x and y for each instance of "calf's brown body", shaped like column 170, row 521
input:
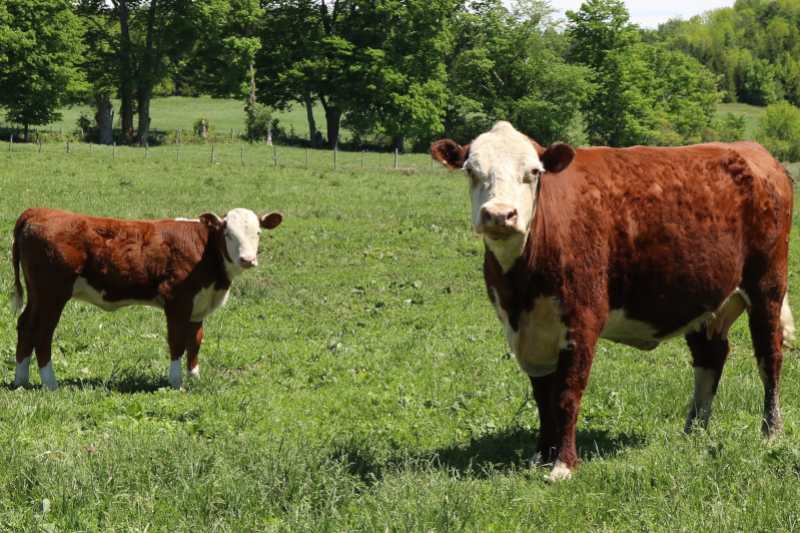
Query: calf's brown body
column 181, row 266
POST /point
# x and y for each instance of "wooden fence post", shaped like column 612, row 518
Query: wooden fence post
column 212, row 153
column 395, row 158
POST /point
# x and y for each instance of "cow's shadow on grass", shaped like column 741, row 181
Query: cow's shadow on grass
column 501, row 451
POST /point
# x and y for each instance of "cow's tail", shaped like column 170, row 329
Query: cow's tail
column 787, row 321
column 17, row 301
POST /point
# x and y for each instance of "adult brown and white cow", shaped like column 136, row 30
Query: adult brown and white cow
column 184, row 267
column 635, row 245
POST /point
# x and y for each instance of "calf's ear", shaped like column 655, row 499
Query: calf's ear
column 449, row 153
column 270, row 221
column 557, row 157
column 212, row 221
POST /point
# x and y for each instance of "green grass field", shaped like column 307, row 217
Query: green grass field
column 358, row 380
column 751, row 113
column 179, row 113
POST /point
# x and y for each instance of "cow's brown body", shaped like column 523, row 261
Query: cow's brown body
column 181, row 266
column 642, row 244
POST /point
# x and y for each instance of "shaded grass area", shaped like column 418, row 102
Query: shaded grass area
column 358, row 380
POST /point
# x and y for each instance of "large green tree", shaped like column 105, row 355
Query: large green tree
column 40, row 54
column 222, row 62
column 648, row 93
column 306, row 56
column 397, row 75
column 146, row 40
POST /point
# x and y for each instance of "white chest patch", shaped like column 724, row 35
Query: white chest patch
column 207, row 301
column 542, row 335
column 81, row 290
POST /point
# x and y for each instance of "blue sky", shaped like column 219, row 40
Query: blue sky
column 650, row 13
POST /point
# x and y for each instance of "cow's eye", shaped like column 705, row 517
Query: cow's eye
column 474, row 179
column 531, row 176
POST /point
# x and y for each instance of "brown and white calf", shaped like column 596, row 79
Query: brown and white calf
column 184, row 267
column 635, row 245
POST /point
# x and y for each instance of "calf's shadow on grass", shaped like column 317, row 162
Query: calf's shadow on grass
column 502, row 451
column 128, row 384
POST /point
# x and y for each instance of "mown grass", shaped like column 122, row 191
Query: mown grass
column 179, row 113
column 752, row 115
column 358, row 380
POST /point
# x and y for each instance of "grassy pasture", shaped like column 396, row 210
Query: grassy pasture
column 358, row 380
column 179, row 113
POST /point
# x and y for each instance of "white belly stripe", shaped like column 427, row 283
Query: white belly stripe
column 81, row 290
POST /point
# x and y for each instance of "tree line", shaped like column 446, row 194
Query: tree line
column 406, row 72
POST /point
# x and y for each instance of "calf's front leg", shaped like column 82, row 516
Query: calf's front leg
column 178, row 327
column 193, row 341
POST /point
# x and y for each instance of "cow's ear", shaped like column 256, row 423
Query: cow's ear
column 212, row 221
column 270, row 221
column 557, row 157
column 449, row 153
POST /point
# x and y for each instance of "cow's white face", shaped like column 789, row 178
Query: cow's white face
column 240, row 230
column 504, row 167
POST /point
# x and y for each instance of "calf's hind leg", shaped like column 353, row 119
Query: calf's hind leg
column 26, row 333
column 708, row 359
column 48, row 317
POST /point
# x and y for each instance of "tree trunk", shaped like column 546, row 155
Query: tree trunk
column 144, row 95
column 312, row 125
column 251, row 100
column 126, row 109
column 397, row 143
column 333, row 116
column 104, row 118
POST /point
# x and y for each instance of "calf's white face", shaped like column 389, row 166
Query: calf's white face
column 240, row 229
column 504, row 167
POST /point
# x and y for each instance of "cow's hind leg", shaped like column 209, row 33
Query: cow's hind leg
column 193, row 341
column 543, row 394
column 767, row 334
column 708, row 359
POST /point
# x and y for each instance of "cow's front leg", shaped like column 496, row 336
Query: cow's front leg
column 543, row 394
column 178, row 326
column 570, row 380
column 193, row 341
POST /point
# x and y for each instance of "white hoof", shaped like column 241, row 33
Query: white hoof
column 48, row 377
column 560, row 471
column 175, row 375
column 22, row 374
column 195, row 372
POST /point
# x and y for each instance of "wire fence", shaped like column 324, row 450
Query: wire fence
column 231, row 154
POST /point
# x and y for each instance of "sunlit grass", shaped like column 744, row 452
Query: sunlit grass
column 358, row 380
